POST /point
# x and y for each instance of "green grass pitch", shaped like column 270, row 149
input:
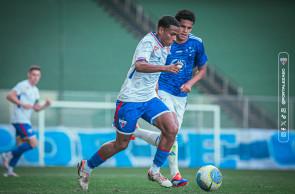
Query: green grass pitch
column 134, row 180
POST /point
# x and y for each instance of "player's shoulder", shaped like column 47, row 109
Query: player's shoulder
column 192, row 37
column 23, row 83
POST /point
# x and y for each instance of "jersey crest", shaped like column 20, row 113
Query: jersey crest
column 122, row 122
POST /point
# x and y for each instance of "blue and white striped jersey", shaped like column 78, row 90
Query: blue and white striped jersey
column 191, row 54
column 138, row 86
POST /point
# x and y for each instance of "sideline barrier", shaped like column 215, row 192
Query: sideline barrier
column 240, row 149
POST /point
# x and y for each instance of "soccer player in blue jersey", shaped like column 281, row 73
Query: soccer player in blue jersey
column 138, row 98
column 173, row 88
column 25, row 96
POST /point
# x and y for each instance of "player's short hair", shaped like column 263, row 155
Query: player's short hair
column 166, row 21
column 34, row 67
column 185, row 14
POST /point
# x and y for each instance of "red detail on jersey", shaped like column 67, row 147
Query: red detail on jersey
column 168, row 49
column 156, row 48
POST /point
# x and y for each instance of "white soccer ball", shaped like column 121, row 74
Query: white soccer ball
column 209, row 178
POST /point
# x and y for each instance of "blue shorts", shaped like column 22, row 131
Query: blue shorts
column 23, row 130
column 127, row 114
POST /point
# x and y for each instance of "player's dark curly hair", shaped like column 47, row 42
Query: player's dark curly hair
column 166, row 21
column 185, row 14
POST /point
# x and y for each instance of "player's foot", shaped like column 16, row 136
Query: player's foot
column 12, row 174
column 178, row 181
column 5, row 160
column 164, row 182
column 82, row 175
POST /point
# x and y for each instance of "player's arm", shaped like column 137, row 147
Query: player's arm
column 187, row 87
column 145, row 67
column 12, row 97
column 37, row 107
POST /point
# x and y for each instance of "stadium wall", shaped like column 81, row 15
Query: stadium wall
column 240, row 149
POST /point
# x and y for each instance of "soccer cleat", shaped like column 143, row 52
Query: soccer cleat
column 5, row 160
column 12, row 174
column 178, row 181
column 82, row 175
column 164, row 182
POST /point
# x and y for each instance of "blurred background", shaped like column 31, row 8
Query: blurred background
column 85, row 48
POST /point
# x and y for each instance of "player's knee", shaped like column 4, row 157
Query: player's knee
column 171, row 132
column 33, row 143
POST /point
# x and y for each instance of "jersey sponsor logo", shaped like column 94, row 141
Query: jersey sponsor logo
column 283, row 60
column 122, row 122
column 156, row 48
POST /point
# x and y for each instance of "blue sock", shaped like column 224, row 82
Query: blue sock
column 95, row 160
column 14, row 160
column 160, row 157
column 17, row 152
column 21, row 149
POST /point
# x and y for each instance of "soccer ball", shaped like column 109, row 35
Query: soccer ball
column 209, row 178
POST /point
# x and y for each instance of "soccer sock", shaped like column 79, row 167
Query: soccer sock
column 14, row 160
column 148, row 136
column 95, row 160
column 86, row 167
column 10, row 169
column 173, row 159
column 160, row 158
column 17, row 152
column 21, row 149
column 154, row 169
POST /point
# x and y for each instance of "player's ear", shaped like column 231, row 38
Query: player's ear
column 161, row 30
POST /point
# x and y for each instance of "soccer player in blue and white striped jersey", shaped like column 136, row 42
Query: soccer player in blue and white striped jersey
column 173, row 88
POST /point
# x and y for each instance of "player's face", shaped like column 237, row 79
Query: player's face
column 168, row 35
column 186, row 27
column 34, row 77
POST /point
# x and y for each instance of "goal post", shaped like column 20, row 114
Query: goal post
column 111, row 106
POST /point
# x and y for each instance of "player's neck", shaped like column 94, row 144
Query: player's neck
column 178, row 41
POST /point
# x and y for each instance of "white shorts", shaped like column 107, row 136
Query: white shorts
column 175, row 104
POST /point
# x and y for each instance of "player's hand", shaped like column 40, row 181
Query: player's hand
column 174, row 68
column 27, row 106
column 186, row 88
column 48, row 102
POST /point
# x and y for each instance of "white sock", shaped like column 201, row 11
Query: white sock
column 148, row 136
column 154, row 169
column 10, row 169
column 86, row 168
column 173, row 159
column 9, row 155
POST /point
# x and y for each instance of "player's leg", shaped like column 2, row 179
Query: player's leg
column 26, row 135
column 179, row 105
column 105, row 152
column 150, row 137
column 125, row 125
column 158, row 114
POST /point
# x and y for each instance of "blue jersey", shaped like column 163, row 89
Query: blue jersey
column 191, row 54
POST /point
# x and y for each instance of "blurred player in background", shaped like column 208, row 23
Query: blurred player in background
column 173, row 88
column 138, row 98
column 25, row 97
